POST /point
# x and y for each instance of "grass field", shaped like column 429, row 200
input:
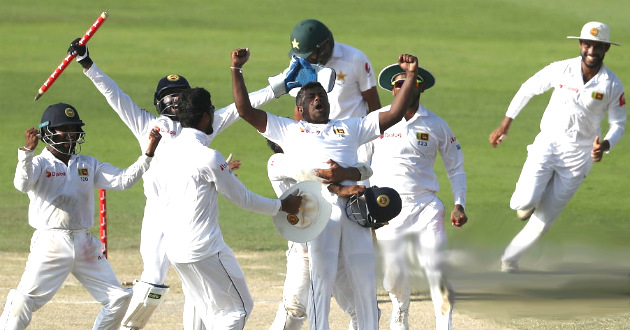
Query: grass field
column 479, row 51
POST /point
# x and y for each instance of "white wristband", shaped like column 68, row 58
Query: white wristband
column 237, row 68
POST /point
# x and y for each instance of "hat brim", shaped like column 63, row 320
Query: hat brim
column 386, row 75
column 593, row 39
column 318, row 219
column 300, row 55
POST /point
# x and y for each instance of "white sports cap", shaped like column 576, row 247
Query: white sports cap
column 313, row 215
column 595, row 31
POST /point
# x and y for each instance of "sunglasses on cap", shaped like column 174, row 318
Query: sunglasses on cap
column 398, row 83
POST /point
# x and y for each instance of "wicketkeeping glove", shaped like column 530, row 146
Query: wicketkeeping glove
column 299, row 73
column 81, row 52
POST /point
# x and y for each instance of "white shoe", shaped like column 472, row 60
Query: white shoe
column 525, row 214
column 399, row 320
column 509, row 267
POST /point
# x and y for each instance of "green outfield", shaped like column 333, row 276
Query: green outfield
column 480, row 53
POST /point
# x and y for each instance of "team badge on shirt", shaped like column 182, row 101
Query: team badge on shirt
column 622, row 99
column 341, row 76
column 339, row 131
column 597, row 96
column 422, row 136
column 83, row 172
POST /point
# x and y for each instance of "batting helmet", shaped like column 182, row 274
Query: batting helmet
column 309, row 36
column 57, row 115
column 168, row 85
column 375, row 208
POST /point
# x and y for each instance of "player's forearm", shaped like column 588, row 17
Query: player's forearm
column 112, row 178
column 614, row 134
column 459, row 188
column 131, row 114
column 23, row 170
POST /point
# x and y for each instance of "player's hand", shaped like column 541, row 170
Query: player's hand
column 458, row 216
column 154, row 140
column 497, row 136
column 500, row 133
column 240, row 56
column 346, row 191
column 599, row 148
column 291, row 204
column 32, row 138
column 335, row 173
column 233, row 164
column 81, row 52
column 409, row 63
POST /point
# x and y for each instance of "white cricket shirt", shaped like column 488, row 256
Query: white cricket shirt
column 189, row 194
column 354, row 75
column 62, row 197
column 576, row 109
column 404, row 156
column 140, row 121
column 315, row 144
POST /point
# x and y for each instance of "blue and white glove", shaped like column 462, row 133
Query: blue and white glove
column 299, row 73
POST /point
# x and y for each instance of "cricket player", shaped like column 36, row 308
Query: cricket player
column 210, row 274
column 149, row 291
column 561, row 156
column 354, row 95
column 343, row 244
column 403, row 159
column 60, row 185
column 284, row 172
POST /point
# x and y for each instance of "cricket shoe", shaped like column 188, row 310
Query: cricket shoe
column 510, row 267
column 525, row 214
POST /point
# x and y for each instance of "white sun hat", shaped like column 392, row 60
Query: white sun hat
column 312, row 217
column 595, row 31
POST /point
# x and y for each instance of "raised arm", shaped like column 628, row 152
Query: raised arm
column 253, row 116
column 403, row 99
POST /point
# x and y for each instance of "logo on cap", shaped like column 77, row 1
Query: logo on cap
column 382, row 200
column 594, row 32
column 173, row 77
column 295, row 43
column 293, row 219
column 69, row 112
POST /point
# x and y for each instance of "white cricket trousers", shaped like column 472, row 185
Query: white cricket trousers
column 343, row 252
column 550, row 177
column 216, row 286
column 420, row 225
column 54, row 255
column 156, row 263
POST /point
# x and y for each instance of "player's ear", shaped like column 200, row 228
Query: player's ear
column 300, row 109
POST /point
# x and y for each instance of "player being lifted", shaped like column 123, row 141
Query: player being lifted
column 317, row 140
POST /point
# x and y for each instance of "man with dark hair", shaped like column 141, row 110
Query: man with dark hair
column 150, row 290
column 569, row 141
column 344, row 245
column 404, row 158
column 354, row 93
column 210, row 274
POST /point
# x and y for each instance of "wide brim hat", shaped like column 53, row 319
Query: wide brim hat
column 595, row 31
column 385, row 78
column 311, row 219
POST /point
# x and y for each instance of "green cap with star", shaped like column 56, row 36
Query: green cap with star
column 307, row 36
